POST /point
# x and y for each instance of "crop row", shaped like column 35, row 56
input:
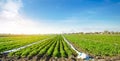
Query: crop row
column 54, row 47
column 97, row 45
column 11, row 42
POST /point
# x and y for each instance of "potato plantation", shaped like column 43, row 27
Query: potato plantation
column 97, row 44
column 15, row 41
column 55, row 48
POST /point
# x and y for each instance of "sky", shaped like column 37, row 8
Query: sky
column 58, row 16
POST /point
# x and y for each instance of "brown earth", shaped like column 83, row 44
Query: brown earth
column 47, row 58
column 36, row 58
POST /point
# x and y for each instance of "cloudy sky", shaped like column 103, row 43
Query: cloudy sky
column 57, row 16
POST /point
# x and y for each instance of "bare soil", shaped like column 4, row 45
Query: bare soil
column 36, row 58
column 47, row 58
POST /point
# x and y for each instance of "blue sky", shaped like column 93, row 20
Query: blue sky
column 58, row 16
column 87, row 11
column 80, row 9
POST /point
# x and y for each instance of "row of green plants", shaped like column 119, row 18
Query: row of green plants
column 54, row 47
column 97, row 45
column 11, row 42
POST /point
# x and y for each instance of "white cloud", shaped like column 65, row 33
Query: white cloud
column 11, row 21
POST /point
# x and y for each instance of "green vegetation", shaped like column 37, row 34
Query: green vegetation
column 93, row 44
column 96, row 44
column 15, row 41
column 62, row 52
column 53, row 47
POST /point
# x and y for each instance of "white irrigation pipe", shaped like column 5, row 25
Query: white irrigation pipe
column 13, row 50
column 80, row 54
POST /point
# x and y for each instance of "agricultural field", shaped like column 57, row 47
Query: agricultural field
column 51, row 49
column 55, row 48
column 100, row 46
column 8, row 42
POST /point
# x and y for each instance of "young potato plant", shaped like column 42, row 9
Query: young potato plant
column 53, row 47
